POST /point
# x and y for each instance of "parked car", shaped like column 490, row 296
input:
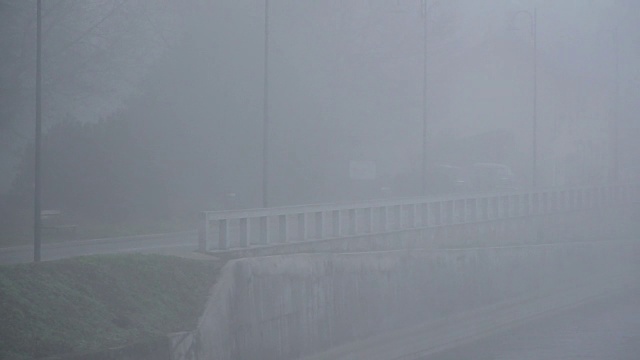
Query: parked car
column 492, row 177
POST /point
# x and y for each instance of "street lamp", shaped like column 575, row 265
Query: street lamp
column 426, row 10
column 37, row 183
column 534, row 32
column 615, row 167
column 265, row 110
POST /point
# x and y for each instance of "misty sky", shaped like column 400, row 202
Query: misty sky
column 345, row 77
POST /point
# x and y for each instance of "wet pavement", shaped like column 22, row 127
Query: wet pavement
column 607, row 329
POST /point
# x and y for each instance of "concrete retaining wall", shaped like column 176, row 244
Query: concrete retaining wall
column 289, row 307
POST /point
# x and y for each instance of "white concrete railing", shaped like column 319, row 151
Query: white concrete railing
column 223, row 230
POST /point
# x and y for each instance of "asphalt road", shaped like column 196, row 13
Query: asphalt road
column 173, row 243
column 605, row 330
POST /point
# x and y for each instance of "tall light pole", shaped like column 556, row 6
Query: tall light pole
column 534, row 129
column 614, row 170
column 426, row 9
column 425, row 33
column 37, row 186
column 265, row 111
column 534, row 32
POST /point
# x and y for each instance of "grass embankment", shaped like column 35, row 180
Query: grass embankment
column 91, row 303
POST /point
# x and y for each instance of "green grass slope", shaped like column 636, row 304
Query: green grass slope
column 90, row 303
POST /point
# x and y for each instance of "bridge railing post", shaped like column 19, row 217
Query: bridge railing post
column 472, row 210
column 368, row 220
column 459, row 207
column 412, row 218
column 527, row 200
column 383, row 219
column 282, row 228
column 563, row 201
column 535, row 206
column 424, row 215
column 264, row 230
column 335, row 223
column 506, row 210
column 515, row 205
column 319, row 217
column 448, row 213
column 352, row 225
column 244, row 232
column 397, row 216
column 484, row 209
column 203, row 233
column 495, row 208
column 302, row 226
column 223, row 234
column 434, row 214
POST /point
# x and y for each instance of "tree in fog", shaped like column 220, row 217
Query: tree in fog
column 93, row 54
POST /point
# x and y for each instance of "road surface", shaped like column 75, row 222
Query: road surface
column 605, row 330
column 173, row 243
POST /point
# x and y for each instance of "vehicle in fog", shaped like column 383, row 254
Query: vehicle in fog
column 446, row 179
column 491, row 177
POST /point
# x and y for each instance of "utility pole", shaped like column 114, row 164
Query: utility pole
column 614, row 121
column 426, row 10
column 37, row 190
column 534, row 133
column 265, row 110
column 534, row 174
column 425, row 34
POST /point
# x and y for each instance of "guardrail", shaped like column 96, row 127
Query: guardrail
column 223, row 230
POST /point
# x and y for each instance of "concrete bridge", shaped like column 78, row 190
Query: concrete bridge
column 404, row 278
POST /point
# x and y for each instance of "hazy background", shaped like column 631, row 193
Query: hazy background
column 153, row 110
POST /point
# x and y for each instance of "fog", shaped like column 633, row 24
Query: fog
column 155, row 110
column 415, row 133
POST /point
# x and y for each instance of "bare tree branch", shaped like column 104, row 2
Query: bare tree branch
column 89, row 30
